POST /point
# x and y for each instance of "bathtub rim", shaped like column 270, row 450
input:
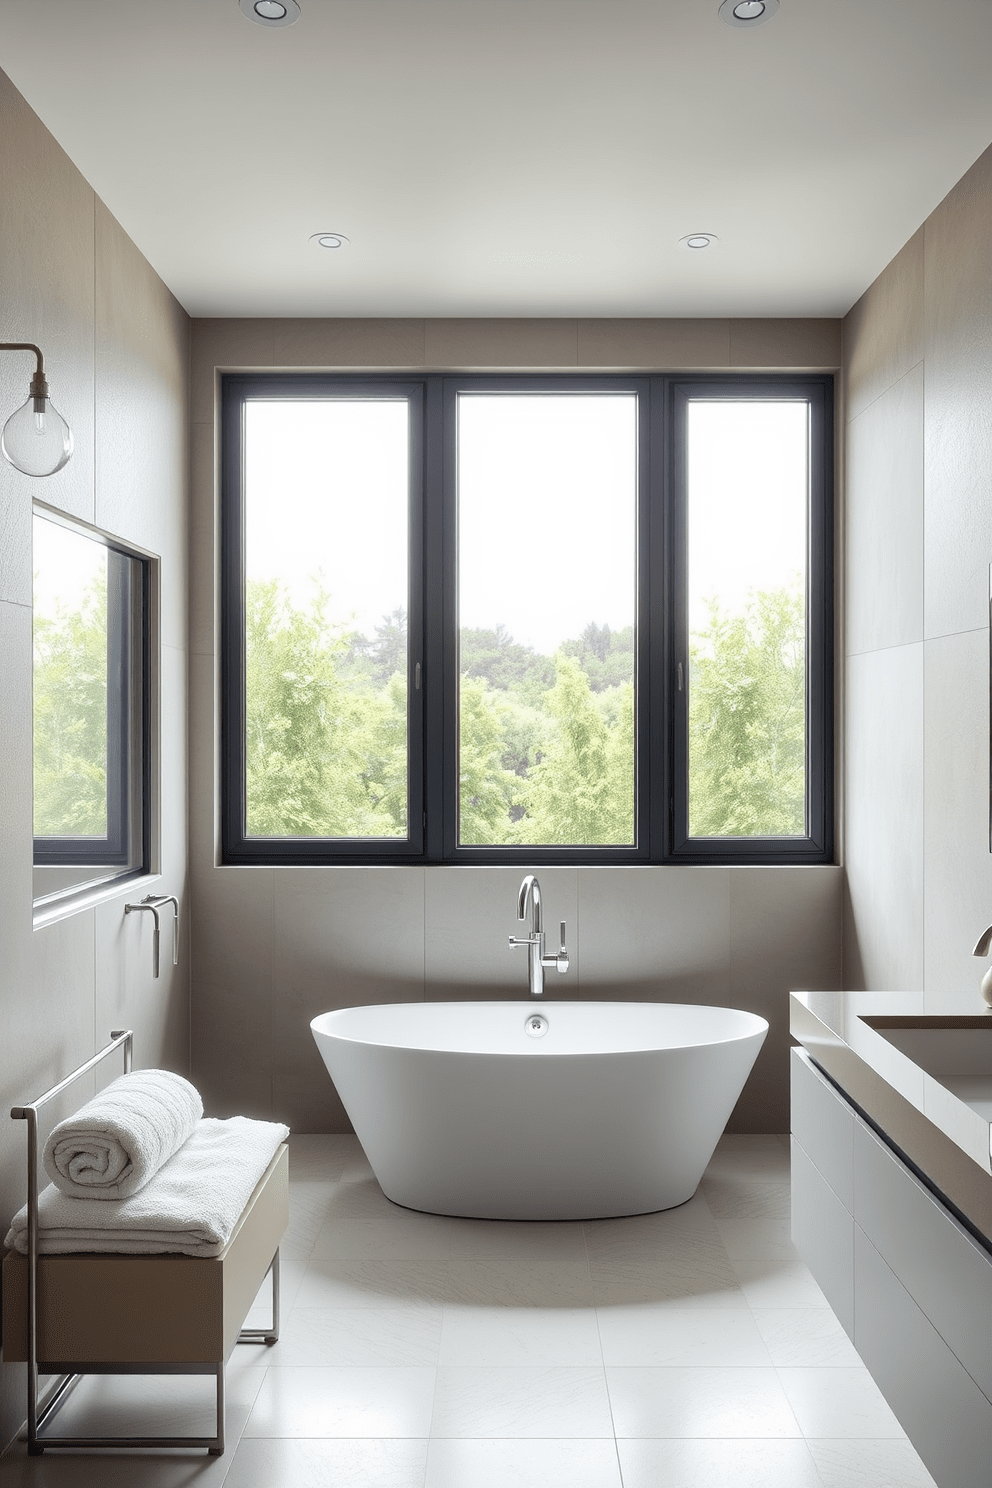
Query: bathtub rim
column 752, row 1025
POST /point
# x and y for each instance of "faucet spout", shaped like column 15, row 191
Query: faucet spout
column 529, row 897
column 530, row 892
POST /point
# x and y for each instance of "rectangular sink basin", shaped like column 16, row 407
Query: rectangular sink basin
column 956, row 1052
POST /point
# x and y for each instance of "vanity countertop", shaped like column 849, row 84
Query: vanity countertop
column 932, row 1097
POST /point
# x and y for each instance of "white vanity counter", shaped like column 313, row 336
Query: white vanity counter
column 925, row 1080
column 892, row 1206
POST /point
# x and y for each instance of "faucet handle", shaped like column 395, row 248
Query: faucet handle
column 561, row 960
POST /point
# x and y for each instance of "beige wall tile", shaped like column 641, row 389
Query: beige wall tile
column 884, row 920
column 957, row 864
column 127, row 993
column 233, row 932
column 348, row 343
column 655, row 934
column 15, row 533
column 884, row 580
column 46, row 263
column 469, row 344
column 343, row 936
column 654, row 345
column 231, row 344
column 16, row 724
column 958, row 342
column 23, row 1039
column 782, row 344
column 142, row 362
column 203, row 542
column 122, row 346
column 883, row 332
column 785, row 935
column 204, row 734
column 173, row 773
column 468, row 915
column 63, row 988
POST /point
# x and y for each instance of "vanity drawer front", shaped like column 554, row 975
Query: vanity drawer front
column 823, row 1233
column 942, row 1410
column 934, row 1256
column 823, row 1124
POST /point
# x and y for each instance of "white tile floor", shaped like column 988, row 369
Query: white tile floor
column 687, row 1349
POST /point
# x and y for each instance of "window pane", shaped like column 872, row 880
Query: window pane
column 70, row 683
column 89, row 713
column 327, row 593
column 547, row 516
column 747, row 503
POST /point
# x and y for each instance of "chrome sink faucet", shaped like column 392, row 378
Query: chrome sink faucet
column 530, row 893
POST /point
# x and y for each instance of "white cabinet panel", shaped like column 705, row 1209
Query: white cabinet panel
column 940, row 1407
column 936, row 1259
column 823, row 1124
column 823, row 1233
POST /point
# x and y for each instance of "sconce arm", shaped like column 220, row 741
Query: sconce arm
column 39, row 384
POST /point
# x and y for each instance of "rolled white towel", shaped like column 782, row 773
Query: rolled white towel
column 189, row 1208
column 119, row 1140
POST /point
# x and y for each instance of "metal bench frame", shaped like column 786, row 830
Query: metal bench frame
column 42, row 1411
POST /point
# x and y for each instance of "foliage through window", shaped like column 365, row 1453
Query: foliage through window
column 526, row 620
column 90, row 707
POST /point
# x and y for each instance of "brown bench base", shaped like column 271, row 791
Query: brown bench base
column 155, row 1314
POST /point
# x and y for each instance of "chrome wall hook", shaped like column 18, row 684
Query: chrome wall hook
column 153, row 903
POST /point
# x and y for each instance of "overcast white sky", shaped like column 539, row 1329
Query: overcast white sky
column 65, row 564
column 546, row 506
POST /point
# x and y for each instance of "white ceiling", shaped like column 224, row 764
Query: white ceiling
column 512, row 157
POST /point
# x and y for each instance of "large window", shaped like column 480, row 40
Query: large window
column 90, row 709
column 526, row 619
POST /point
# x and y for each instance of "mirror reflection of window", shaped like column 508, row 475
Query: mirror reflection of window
column 89, row 747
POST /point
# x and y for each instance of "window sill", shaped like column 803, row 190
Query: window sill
column 55, row 907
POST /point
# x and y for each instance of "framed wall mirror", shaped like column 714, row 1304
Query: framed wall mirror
column 91, row 713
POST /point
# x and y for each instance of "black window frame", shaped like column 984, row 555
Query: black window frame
column 662, row 643
column 126, row 845
column 817, row 845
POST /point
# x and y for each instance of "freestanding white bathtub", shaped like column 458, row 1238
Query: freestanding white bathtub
column 594, row 1110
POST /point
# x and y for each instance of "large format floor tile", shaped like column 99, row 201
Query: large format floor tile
column 569, row 1463
column 727, row 1463
column 685, row 1349
column 359, row 1336
column 838, row 1402
column 522, row 1401
column 338, row 1400
column 521, row 1335
column 669, row 1336
column 694, row 1402
column 310, row 1463
column 809, row 1336
column 861, row 1463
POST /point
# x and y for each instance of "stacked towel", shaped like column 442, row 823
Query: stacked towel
column 114, row 1144
column 190, row 1206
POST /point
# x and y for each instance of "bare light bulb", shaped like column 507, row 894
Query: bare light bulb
column 36, row 439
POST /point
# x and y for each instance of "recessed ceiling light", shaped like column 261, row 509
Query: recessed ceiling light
column 747, row 12
column 328, row 239
column 270, row 12
column 696, row 242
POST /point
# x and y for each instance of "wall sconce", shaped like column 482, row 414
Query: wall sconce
column 36, row 439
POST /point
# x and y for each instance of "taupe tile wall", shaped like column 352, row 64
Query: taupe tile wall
column 116, row 347
column 275, row 946
column 918, row 367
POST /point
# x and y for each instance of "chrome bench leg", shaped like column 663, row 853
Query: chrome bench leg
column 270, row 1334
column 217, row 1448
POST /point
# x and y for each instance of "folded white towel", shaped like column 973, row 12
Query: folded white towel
column 112, row 1146
column 190, row 1207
